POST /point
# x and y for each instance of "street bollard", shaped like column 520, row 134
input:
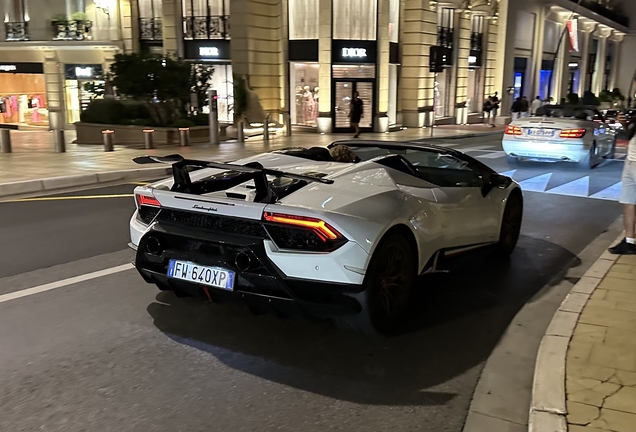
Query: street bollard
column 184, row 137
column 5, row 141
column 288, row 125
column 240, row 133
column 266, row 129
column 60, row 143
column 149, row 138
column 109, row 136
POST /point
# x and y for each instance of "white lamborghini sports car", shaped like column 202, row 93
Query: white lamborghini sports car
column 295, row 230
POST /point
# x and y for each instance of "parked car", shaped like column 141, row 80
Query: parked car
column 577, row 134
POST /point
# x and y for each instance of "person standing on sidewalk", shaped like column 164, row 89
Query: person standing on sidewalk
column 628, row 194
column 524, row 107
column 535, row 105
column 495, row 108
column 515, row 109
column 356, row 112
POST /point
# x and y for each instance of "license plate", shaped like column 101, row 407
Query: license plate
column 211, row 276
column 541, row 132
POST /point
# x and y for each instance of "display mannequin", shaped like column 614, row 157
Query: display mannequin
column 23, row 106
column 308, row 104
column 316, row 103
column 35, row 117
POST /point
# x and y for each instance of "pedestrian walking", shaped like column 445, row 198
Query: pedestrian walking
column 535, row 105
column 524, row 107
column 492, row 103
column 516, row 109
column 628, row 193
column 356, row 112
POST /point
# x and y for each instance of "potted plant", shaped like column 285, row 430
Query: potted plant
column 59, row 22
column 82, row 25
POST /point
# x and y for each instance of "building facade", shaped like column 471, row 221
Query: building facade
column 50, row 50
column 414, row 63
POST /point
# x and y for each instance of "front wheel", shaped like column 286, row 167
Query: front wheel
column 387, row 289
column 511, row 224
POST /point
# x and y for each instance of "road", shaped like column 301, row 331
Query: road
column 112, row 353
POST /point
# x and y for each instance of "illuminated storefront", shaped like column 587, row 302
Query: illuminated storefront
column 23, row 94
column 82, row 84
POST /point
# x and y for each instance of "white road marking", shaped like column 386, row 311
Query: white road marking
column 493, row 155
column 536, row 184
column 64, row 282
column 476, row 148
column 579, row 188
column 612, row 193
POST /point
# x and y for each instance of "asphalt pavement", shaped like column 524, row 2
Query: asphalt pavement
column 112, row 353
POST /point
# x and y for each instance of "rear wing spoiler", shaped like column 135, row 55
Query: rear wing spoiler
column 182, row 180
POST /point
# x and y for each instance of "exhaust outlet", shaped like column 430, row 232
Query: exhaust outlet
column 243, row 261
column 153, row 245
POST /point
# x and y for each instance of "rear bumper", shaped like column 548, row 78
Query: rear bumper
column 574, row 151
column 262, row 286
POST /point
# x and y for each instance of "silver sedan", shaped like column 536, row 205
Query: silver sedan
column 561, row 133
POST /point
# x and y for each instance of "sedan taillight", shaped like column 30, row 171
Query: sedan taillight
column 572, row 133
column 513, row 130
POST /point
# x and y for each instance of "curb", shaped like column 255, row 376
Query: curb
column 454, row 137
column 548, row 409
column 63, row 182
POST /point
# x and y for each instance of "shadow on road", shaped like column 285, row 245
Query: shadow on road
column 459, row 319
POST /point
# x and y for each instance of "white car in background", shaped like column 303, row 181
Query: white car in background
column 576, row 134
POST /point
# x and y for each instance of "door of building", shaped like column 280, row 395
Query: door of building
column 342, row 94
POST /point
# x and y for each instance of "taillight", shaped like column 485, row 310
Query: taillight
column 572, row 133
column 513, row 130
column 144, row 200
column 302, row 233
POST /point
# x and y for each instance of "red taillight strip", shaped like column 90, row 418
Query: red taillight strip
column 320, row 227
column 148, row 201
column 572, row 133
column 513, row 130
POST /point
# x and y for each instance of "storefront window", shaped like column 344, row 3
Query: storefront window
column 475, row 90
column 83, row 84
column 204, row 8
column 355, row 19
column 442, row 93
column 303, row 19
column 22, row 99
column 222, row 81
column 393, row 87
column 304, row 93
column 544, row 83
column 353, row 71
column 394, row 20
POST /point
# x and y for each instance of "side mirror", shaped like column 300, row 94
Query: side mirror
column 495, row 181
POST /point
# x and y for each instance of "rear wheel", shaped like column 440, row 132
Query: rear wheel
column 589, row 161
column 387, row 289
column 511, row 224
column 511, row 160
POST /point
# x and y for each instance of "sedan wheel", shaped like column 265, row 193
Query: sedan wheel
column 511, row 224
column 591, row 160
column 387, row 289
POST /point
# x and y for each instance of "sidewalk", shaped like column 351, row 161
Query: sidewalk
column 601, row 358
column 33, row 156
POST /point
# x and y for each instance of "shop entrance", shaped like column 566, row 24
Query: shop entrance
column 342, row 100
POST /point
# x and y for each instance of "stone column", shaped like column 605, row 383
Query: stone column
column 561, row 69
column 537, row 52
column 172, row 23
column 381, row 120
column 504, row 58
column 586, row 43
column 616, row 38
column 256, row 49
column 324, row 69
column 462, row 52
column 54, row 81
column 130, row 25
column 599, row 74
column 416, row 85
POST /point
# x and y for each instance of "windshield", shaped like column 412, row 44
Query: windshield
column 434, row 166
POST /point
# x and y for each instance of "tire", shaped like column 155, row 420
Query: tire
column 386, row 291
column 511, row 160
column 588, row 162
column 510, row 224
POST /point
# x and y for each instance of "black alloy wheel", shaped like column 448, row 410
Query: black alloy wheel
column 387, row 289
column 511, row 224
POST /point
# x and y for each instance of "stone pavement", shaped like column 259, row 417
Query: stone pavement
column 33, row 156
column 601, row 359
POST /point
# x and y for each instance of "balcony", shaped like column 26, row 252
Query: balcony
column 72, row 30
column 606, row 8
column 150, row 29
column 476, row 41
column 16, row 31
column 206, row 27
column 445, row 37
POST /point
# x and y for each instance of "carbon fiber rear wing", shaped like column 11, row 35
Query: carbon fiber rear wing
column 183, row 182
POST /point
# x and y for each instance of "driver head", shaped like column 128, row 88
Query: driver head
column 342, row 153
